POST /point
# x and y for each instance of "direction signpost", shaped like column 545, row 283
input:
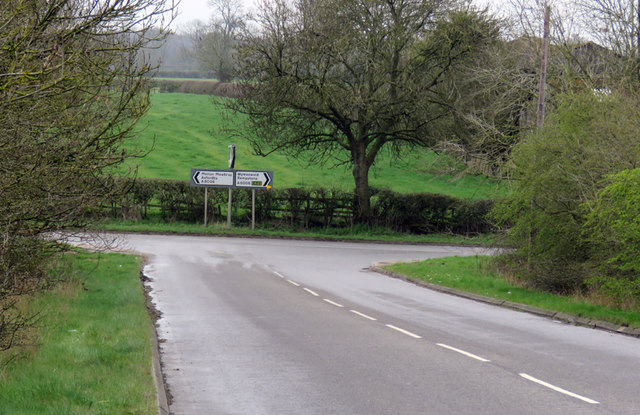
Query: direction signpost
column 253, row 179
column 241, row 179
column 212, row 178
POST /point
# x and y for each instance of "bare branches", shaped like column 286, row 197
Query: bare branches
column 215, row 42
column 72, row 87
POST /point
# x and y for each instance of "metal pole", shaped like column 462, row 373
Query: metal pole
column 232, row 162
column 205, row 206
column 253, row 209
column 229, row 211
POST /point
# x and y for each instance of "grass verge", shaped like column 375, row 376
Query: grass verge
column 476, row 275
column 357, row 233
column 91, row 352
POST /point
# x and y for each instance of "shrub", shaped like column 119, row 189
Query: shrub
column 430, row 213
column 556, row 173
column 613, row 227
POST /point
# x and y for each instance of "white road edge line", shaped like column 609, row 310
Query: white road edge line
column 315, row 294
column 363, row 315
column 557, row 389
column 333, row 303
column 408, row 333
column 471, row 355
column 293, row 282
column 279, row 275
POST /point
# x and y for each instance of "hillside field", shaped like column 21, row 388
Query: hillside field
column 184, row 131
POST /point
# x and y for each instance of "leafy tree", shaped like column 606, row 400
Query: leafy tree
column 71, row 90
column 342, row 81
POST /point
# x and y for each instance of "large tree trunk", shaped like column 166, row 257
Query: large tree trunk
column 363, row 192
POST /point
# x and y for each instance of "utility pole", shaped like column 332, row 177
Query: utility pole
column 543, row 67
column 541, row 101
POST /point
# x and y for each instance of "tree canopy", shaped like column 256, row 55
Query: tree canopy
column 343, row 80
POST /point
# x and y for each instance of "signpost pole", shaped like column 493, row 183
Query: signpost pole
column 253, row 209
column 229, row 211
column 205, row 206
column 232, row 163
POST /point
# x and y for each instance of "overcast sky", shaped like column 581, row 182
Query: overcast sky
column 190, row 10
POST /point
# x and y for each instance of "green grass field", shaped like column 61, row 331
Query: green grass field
column 189, row 133
column 91, row 351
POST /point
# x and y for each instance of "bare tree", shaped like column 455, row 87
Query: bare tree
column 490, row 93
column 216, row 41
column 72, row 88
column 615, row 24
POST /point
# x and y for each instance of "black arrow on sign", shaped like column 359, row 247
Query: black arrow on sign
column 195, row 177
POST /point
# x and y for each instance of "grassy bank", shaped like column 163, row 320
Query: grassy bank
column 356, row 233
column 476, row 275
column 91, row 351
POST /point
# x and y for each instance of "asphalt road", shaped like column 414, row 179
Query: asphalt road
column 253, row 326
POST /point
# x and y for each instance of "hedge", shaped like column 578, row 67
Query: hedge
column 420, row 213
column 204, row 87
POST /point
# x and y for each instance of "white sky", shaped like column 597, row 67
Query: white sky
column 190, row 10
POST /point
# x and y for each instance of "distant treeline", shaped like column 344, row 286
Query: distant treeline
column 186, row 74
column 190, row 86
column 420, row 213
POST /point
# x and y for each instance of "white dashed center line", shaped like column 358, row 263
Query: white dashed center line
column 363, row 315
column 408, row 333
column 557, row 389
column 333, row 303
column 471, row 355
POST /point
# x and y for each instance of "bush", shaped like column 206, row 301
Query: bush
column 556, row 173
column 613, row 227
column 24, row 262
column 430, row 213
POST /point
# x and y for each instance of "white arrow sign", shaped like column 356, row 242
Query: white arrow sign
column 254, row 179
column 212, row 178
